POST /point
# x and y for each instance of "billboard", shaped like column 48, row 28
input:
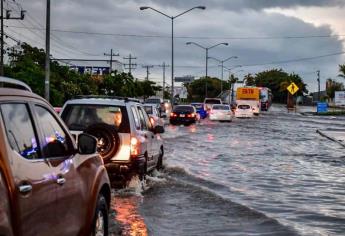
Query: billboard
column 185, row 79
column 339, row 98
column 181, row 92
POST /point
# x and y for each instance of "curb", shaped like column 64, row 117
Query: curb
column 330, row 138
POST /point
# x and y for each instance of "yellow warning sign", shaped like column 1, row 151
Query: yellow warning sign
column 293, row 88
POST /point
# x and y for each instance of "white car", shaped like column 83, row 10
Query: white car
column 244, row 111
column 153, row 112
column 220, row 113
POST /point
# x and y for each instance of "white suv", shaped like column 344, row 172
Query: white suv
column 128, row 142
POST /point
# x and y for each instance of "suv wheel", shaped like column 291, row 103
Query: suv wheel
column 108, row 139
column 100, row 221
column 160, row 159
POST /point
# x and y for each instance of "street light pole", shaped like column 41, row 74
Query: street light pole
column 172, row 39
column 222, row 67
column 47, row 61
column 207, row 49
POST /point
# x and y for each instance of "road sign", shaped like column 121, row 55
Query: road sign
column 293, row 88
column 322, row 107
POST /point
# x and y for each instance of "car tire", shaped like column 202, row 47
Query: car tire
column 160, row 159
column 109, row 138
column 100, row 221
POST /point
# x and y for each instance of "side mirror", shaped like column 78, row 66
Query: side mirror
column 87, row 144
column 158, row 129
column 163, row 115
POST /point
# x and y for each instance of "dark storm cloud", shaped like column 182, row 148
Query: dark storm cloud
column 245, row 4
column 124, row 17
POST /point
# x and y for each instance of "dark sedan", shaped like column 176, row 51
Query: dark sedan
column 183, row 114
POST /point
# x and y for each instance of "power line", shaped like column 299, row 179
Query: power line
column 294, row 60
column 131, row 66
column 190, row 37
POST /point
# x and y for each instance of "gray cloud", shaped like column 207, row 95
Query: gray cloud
column 124, row 17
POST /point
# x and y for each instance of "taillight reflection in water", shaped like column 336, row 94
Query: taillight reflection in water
column 128, row 216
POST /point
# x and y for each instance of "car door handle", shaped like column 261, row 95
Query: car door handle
column 25, row 188
column 60, row 180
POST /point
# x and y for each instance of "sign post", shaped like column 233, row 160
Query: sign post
column 292, row 89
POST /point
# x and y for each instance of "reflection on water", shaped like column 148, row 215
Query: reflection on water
column 126, row 208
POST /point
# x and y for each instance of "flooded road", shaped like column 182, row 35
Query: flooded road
column 271, row 175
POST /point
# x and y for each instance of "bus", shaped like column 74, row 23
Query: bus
column 265, row 98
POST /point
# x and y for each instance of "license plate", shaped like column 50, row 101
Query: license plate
column 182, row 115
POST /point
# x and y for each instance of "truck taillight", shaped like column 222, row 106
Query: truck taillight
column 134, row 146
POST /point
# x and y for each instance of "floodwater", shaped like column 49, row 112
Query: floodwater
column 270, row 175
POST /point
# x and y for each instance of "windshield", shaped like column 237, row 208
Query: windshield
column 149, row 109
column 243, row 107
column 212, row 101
column 183, row 109
column 221, row 107
column 79, row 117
column 198, row 106
column 153, row 100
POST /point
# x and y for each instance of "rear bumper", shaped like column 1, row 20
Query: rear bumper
column 182, row 120
column 220, row 117
column 136, row 165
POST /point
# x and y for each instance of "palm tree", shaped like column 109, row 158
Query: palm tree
column 342, row 71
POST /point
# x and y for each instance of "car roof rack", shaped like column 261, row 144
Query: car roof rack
column 126, row 99
column 19, row 84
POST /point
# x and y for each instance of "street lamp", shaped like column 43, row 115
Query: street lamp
column 206, row 49
column 231, row 84
column 172, row 39
column 222, row 66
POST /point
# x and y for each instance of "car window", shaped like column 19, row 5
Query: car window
column 198, row 106
column 20, row 130
column 146, row 118
column 153, row 100
column 221, row 107
column 136, row 117
column 213, row 101
column 56, row 142
column 184, row 109
column 243, row 106
column 149, row 109
column 80, row 116
column 142, row 119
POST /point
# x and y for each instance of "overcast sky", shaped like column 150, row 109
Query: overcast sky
column 259, row 32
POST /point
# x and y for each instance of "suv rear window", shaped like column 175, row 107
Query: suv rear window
column 183, row 109
column 79, row 116
column 213, row 101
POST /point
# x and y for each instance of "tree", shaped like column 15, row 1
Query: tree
column 277, row 81
column 332, row 87
column 197, row 89
column 342, row 71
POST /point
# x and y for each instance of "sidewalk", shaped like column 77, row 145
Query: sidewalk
column 336, row 135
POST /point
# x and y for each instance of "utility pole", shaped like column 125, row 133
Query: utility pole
column 131, row 66
column 47, row 62
column 164, row 66
column 148, row 67
column 111, row 58
column 318, row 81
column 8, row 17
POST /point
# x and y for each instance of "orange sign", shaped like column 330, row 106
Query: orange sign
column 248, row 93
